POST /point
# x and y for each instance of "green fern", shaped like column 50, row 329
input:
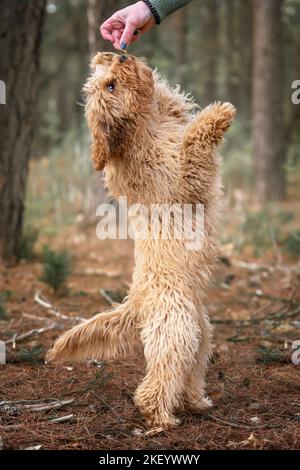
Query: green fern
column 4, row 296
column 56, row 268
column 263, row 228
column 35, row 355
column 292, row 243
column 27, row 243
column 3, row 311
column 269, row 355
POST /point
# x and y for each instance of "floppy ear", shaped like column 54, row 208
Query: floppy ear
column 99, row 150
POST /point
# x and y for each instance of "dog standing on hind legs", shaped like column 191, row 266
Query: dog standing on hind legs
column 155, row 149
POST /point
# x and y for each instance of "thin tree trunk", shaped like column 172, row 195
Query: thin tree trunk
column 245, row 27
column 209, row 49
column 97, row 12
column 267, row 108
column 180, row 24
column 293, row 110
column 231, row 44
column 94, row 15
column 20, row 37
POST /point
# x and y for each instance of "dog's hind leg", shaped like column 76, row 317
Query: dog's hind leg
column 106, row 336
column 171, row 339
column 194, row 392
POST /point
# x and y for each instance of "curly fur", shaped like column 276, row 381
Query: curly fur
column 155, row 148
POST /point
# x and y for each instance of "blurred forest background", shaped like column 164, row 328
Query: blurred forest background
column 244, row 51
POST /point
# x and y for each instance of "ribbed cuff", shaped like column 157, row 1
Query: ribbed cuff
column 166, row 7
column 153, row 11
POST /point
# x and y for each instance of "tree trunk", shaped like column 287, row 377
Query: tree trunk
column 97, row 12
column 179, row 23
column 245, row 58
column 20, row 37
column 232, row 42
column 267, row 107
column 209, row 50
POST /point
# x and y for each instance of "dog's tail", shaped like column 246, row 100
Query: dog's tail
column 106, row 336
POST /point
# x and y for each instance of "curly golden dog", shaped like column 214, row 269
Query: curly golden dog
column 155, row 148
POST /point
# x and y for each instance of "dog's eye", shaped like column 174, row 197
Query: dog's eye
column 111, row 87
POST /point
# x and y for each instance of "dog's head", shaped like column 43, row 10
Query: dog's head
column 119, row 95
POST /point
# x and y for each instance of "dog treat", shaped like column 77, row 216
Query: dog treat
column 158, row 150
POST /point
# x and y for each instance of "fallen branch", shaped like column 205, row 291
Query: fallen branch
column 271, row 317
column 107, row 297
column 228, row 423
column 283, row 315
column 107, row 405
column 34, row 317
column 241, row 425
column 273, row 298
column 61, row 419
column 18, row 402
column 49, row 406
column 271, row 338
column 36, row 407
column 264, row 267
column 35, row 332
column 44, row 303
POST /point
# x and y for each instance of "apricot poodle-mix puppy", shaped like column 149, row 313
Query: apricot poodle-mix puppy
column 154, row 149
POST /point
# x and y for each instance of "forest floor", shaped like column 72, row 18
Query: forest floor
column 255, row 386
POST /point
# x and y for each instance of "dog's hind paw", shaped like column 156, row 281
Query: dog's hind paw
column 158, row 427
column 199, row 407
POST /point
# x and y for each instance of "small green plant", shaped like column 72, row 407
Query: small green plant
column 292, row 243
column 269, row 355
column 35, row 355
column 263, row 229
column 27, row 243
column 79, row 293
column 56, row 268
column 3, row 311
column 101, row 378
column 4, row 296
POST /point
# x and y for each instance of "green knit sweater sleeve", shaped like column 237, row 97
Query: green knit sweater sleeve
column 166, row 7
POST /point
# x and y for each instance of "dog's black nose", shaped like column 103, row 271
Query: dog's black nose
column 123, row 58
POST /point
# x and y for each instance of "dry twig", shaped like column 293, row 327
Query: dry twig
column 44, row 303
column 35, row 332
column 62, row 419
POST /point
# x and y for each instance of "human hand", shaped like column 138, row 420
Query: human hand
column 122, row 26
